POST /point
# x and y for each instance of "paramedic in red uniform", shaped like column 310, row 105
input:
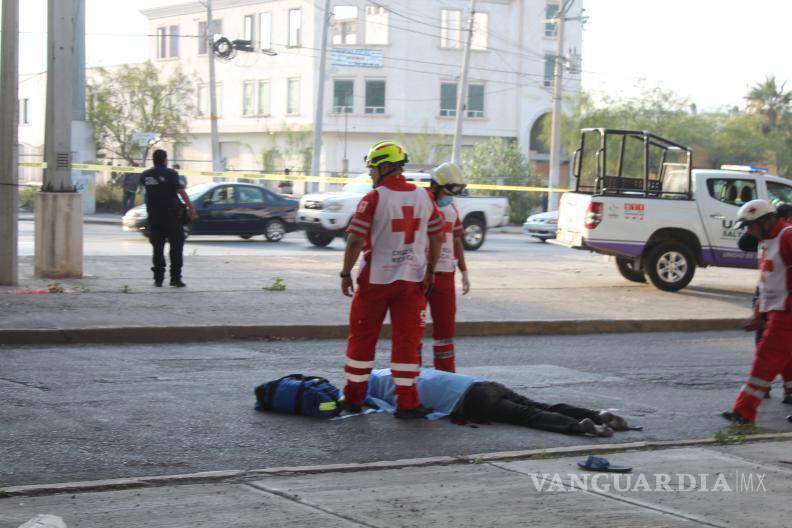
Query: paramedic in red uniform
column 399, row 228
column 446, row 183
column 774, row 351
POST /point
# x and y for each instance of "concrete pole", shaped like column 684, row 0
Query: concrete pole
column 316, row 158
column 456, row 151
column 9, row 77
column 83, row 146
column 58, row 235
column 555, row 137
column 216, row 161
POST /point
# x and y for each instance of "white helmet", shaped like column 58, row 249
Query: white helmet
column 448, row 176
column 753, row 211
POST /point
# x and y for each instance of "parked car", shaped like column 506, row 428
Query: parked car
column 325, row 216
column 543, row 226
column 637, row 199
column 244, row 210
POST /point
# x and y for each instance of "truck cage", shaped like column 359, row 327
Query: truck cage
column 670, row 179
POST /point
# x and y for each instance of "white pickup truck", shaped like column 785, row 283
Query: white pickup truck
column 325, row 216
column 637, row 199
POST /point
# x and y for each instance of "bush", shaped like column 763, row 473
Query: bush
column 26, row 195
column 109, row 198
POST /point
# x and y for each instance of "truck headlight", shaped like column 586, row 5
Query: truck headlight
column 334, row 206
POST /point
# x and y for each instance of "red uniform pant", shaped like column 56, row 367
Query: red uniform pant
column 442, row 304
column 406, row 303
column 773, row 357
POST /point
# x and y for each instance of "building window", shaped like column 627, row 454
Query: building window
column 173, row 47
column 550, row 29
column 480, row 31
column 549, row 70
column 204, row 38
column 375, row 97
column 448, row 99
column 293, row 97
column 475, row 100
column 376, row 25
column 162, row 43
column 248, row 98
column 450, row 30
column 295, row 28
column 249, row 28
column 343, row 96
column 265, row 31
column 204, row 106
column 24, row 111
column 345, row 25
column 263, row 98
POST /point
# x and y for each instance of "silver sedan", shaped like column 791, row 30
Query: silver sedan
column 542, row 225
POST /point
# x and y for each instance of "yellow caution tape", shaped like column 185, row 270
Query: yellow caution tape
column 280, row 177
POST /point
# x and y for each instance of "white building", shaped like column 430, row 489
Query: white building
column 392, row 73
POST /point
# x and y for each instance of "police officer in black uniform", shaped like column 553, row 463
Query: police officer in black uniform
column 162, row 204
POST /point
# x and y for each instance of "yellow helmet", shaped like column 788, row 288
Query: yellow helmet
column 385, row 151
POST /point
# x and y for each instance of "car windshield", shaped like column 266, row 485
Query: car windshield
column 197, row 190
column 361, row 184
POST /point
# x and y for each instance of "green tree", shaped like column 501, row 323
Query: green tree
column 136, row 98
column 770, row 101
column 501, row 162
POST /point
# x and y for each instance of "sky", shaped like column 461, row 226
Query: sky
column 707, row 51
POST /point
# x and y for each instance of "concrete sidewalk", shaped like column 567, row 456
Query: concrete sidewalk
column 97, row 218
column 228, row 297
column 687, row 484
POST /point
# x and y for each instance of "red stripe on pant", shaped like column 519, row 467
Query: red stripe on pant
column 405, row 302
column 442, row 305
column 773, row 356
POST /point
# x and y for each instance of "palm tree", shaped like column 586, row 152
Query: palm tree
column 770, row 101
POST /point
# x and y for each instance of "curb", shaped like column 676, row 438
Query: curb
column 86, row 220
column 181, row 334
column 206, row 477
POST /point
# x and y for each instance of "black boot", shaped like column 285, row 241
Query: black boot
column 418, row 412
column 177, row 283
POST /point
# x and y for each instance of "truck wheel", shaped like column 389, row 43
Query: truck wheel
column 628, row 270
column 318, row 239
column 670, row 266
column 475, row 231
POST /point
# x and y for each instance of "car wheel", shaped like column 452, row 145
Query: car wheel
column 275, row 230
column 670, row 266
column 318, row 238
column 629, row 271
column 245, row 237
column 475, row 232
column 541, row 239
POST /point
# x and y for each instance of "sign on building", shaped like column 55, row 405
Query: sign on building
column 356, row 57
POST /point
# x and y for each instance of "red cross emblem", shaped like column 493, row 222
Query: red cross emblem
column 407, row 225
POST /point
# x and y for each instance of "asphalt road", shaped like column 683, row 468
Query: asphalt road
column 92, row 412
column 111, row 240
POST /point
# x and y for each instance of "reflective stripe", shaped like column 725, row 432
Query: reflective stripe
column 361, row 222
column 406, row 367
column 404, row 382
column 356, row 378
column 753, row 392
column 357, row 230
column 759, row 382
column 354, row 363
column 441, row 342
column 444, row 355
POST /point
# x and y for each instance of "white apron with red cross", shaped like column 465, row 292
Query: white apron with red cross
column 773, row 287
column 399, row 238
column 447, row 261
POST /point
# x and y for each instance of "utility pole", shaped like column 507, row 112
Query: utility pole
column 58, row 208
column 554, row 178
column 456, row 151
column 216, row 166
column 319, row 107
column 9, row 77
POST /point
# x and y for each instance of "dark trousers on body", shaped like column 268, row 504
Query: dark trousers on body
column 488, row 401
column 129, row 200
column 166, row 227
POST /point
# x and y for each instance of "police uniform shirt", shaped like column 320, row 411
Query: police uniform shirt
column 162, row 185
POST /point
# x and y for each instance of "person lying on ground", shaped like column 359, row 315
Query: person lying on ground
column 477, row 400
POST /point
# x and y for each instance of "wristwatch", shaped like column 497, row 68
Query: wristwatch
column 345, row 275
